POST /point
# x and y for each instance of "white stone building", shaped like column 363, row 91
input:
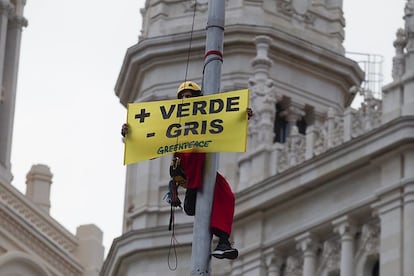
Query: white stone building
column 324, row 189
column 32, row 243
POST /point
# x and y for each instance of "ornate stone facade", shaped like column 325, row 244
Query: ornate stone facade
column 324, row 189
column 32, row 243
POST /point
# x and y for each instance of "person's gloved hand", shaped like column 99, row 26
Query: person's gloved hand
column 172, row 196
column 177, row 173
column 124, row 130
column 249, row 113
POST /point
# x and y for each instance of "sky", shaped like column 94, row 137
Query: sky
column 68, row 117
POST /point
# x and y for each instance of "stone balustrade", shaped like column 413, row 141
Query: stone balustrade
column 334, row 131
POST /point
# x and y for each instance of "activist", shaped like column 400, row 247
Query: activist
column 187, row 170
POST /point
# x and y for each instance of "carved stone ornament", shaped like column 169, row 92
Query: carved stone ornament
column 52, row 232
column 200, row 5
column 370, row 240
column 301, row 6
column 368, row 115
column 294, row 151
column 298, row 9
column 5, row 8
column 398, row 64
column 330, row 255
column 31, row 240
column 293, row 266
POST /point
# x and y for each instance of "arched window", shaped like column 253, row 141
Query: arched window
column 375, row 269
column 19, row 263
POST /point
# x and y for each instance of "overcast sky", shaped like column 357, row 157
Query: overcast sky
column 68, row 117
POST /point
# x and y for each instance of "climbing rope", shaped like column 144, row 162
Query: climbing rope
column 172, row 252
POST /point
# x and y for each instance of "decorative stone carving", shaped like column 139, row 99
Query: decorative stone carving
column 200, row 5
column 330, row 134
column 294, row 150
column 398, row 64
column 331, row 131
column 301, row 6
column 370, row 240
column 368, row 115
column 330, row 257
column 409, row 24
column 39, row 247
column 263, row 94
column 5, row 8
column 274, row 262
column 321, row 139
column 51, row 231
column 297, row 9
column 335, row 129
column 293, row 266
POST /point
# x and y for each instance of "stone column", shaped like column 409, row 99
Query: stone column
column 408, row 229
column 398, row 66
column 347, row 124
column 274, row 262
column 263, row 92
column 9, row 85
column 90, row 251
column 408, row 96
column 310, row 141
column 389, row 209
column 263, row 102
column 408, row 217
column 38, row 182
column 292, row 115
column 5, row 10
column 308, row 244
column 346, row 229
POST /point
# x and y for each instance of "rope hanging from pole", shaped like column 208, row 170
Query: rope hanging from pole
column 191, row 40
column 173, row 264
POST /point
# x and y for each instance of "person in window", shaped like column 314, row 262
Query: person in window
column 191, row 177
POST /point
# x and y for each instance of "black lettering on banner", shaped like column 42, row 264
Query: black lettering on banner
column 183, row 146
column 203, row 127
column 183, row 107
column 217, row 127
column 199, row 106
column 216, row 106
column 200, row 127
column 142, row 115
column 165, row 114
column 191, row 126
column 194, row 128
column 173, row 131
column 231, row 102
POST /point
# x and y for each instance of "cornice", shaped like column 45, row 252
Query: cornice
column 165, row 49
column 6, row 8
column 140, row 241
column 45, row 224
column 25, row 234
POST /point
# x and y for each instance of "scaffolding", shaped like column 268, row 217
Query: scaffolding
column 371, row 64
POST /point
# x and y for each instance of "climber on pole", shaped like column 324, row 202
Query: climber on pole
column 223, row 201
column 186, row 170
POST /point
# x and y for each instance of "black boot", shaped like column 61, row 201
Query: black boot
column 224, row 249
column 190, row 202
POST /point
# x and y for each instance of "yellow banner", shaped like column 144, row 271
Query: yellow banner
column 213, row 123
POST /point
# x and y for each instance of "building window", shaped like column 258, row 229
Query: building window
column 375, row 269
column 280, row 126
column 301, row 124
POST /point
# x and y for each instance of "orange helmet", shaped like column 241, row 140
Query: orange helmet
column 191, row 86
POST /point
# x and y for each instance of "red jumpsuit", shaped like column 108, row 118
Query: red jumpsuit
column 222, row 211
